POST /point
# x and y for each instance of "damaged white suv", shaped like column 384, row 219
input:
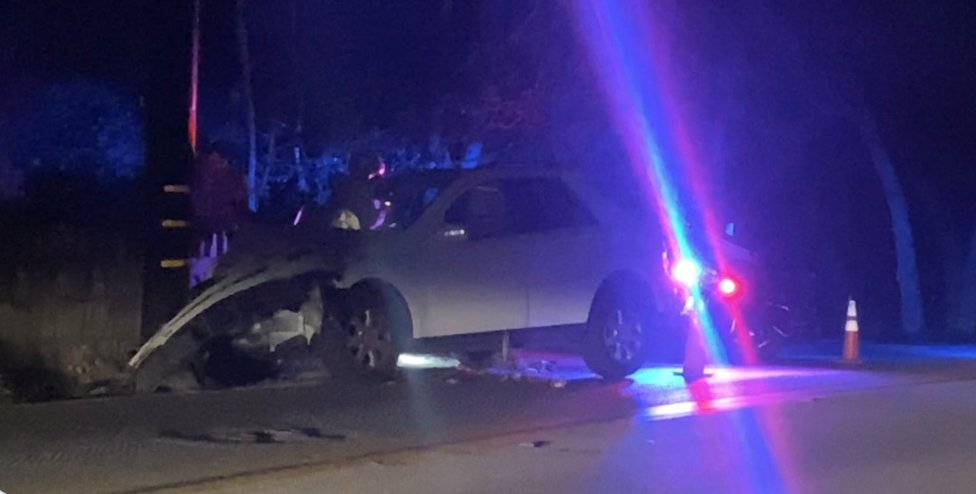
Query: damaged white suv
column 494, row 250
column 459, row 260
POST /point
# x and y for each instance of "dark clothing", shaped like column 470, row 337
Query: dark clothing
column 219, row 197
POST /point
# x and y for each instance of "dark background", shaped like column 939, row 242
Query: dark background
column 795, row 178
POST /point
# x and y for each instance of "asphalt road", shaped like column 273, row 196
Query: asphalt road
column 890, row 440
column 803, row 429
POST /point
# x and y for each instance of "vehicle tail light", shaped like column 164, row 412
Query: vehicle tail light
column 728, row 287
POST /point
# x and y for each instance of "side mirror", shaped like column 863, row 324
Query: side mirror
column 453, row 232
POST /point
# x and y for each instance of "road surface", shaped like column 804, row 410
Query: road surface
column 902, row 427
column 892, row 440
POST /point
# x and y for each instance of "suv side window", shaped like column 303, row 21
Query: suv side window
column 482, row 211
column 517, row 206
column 543, row 204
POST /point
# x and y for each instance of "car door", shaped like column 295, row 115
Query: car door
column 571, row 252
column 475, row 267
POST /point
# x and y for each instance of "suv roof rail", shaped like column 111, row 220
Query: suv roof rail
column 523, row 165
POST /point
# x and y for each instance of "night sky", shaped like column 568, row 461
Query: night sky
column 913, row 60
column 373, row 60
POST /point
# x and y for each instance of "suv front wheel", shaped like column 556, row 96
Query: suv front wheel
column 376, row 326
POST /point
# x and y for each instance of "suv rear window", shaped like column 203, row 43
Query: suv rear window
column 544, row 204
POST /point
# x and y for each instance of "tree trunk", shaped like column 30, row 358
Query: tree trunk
column 270, row 160
column 945, row 252
column 962, row 311
column 243, row 52
column 298, row 78
column 912, row 311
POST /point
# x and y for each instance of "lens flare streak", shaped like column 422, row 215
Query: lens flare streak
column 626, row 53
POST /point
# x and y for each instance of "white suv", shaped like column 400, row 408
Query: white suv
column 484, row 251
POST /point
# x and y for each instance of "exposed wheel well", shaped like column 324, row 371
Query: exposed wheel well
column 626, row 282
column 389, row 293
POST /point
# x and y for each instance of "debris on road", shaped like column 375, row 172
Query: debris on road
column 180, row 382
column 254, row 436
column 538, row 366
column 535, row 444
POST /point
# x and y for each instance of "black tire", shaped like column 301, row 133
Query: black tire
column 617, row 338
column 219, row 365
column 778, row 329
column 376, row 327
column 770, row 330
column 770, row 350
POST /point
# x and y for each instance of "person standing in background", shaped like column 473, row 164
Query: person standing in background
column 219, row 201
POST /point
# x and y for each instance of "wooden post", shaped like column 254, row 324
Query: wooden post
column 168, row 159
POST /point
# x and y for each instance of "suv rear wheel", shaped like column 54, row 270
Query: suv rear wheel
column 616, row 339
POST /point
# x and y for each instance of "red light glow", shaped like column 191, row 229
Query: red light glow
column 728, row 287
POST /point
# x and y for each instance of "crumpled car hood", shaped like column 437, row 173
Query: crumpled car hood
column 260, row 254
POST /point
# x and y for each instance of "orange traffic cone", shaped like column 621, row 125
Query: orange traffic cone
column 852, row 346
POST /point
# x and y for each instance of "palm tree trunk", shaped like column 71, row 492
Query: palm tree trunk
column 243, row 52
column 912, row 311
column 962, row 311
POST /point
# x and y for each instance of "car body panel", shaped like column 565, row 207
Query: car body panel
column 455, row 285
